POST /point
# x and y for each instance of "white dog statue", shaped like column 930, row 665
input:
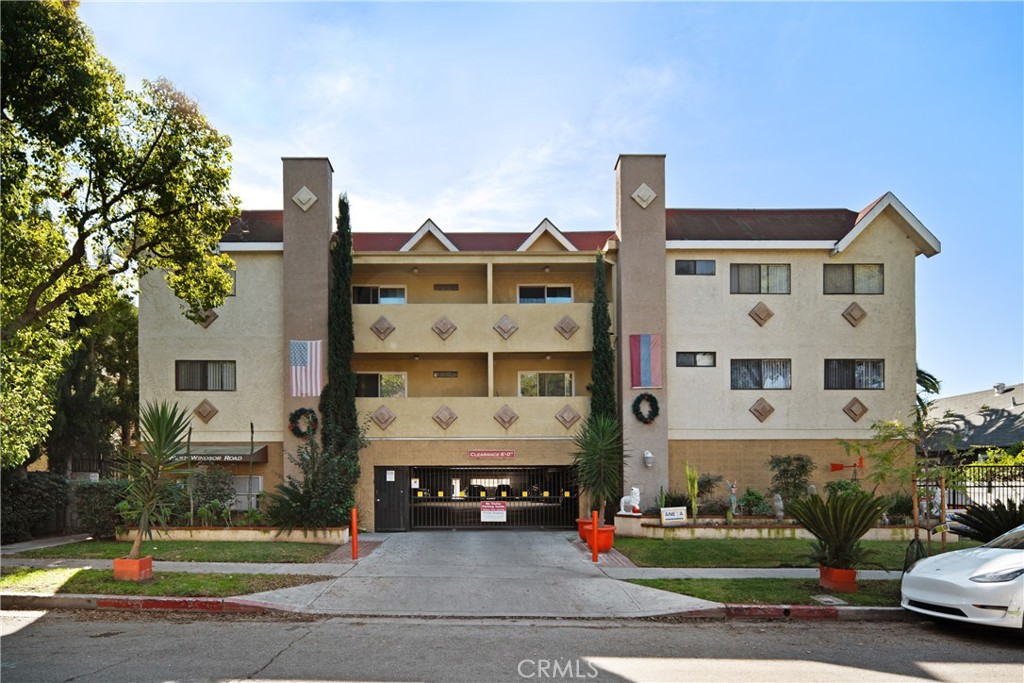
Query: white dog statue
column 630, row 505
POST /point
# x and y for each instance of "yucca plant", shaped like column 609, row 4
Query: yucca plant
column 986, row 522
column 150, row 495
column 838, row 524
column 597, row 462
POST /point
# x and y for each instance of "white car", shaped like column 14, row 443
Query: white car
column 983, row 585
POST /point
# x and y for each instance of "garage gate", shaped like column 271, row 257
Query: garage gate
column 475, row 498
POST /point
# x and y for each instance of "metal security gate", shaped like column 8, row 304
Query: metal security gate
column 492, row 498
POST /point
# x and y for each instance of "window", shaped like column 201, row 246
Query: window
column 204, row 375
column 854, row 374
column 444, row 287
column 378, row 295
column 545, row 384
column 763, row 278
column 854, row 278
column 761, row 374
column 698, row 267
column 247, row 490
column 695, row 359
column 545, row 294
column 380, row 384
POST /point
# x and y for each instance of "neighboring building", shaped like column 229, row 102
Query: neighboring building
column 992, row 418
column 754, row 332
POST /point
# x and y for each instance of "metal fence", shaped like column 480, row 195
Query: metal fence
column 985, row 484
column 493, row 498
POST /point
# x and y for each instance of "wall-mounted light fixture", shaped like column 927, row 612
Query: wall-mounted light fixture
column 648, row 458
column 547, row 269
column 416, row 357
column 415, row 269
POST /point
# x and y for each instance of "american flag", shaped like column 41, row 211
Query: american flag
column 645, row 360
column 304, row 361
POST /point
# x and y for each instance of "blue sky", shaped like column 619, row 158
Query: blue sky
column 496, row 116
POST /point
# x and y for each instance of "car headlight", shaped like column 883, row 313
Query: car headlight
column 998, row 577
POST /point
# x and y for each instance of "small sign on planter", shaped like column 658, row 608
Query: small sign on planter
column 673, row 516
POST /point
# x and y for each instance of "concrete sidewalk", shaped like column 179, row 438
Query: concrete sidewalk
column 491, row 574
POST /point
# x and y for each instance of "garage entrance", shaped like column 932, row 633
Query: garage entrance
column 492, row 498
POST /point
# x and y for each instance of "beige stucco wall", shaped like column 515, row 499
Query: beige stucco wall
column 807, row 327
column 247, row 331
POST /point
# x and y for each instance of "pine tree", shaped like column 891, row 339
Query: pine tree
column 602, row 374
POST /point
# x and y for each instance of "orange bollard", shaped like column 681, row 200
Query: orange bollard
column 355, row 533
column 593, row 534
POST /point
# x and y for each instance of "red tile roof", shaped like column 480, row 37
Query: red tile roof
column 758, row 224
column 256, row 226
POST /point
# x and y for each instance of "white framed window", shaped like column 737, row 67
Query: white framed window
column 854, row 278
column 546, row 384
column 246, row 495
column 204, row 375
column 372, row 294
column 695, row 267
column 545, row 294
column 854, row 374
column 695, row 359
column 381, row 384
column 761, row 373
column 759, row 278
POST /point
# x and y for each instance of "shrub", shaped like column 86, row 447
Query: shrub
column 96, row 506
column 753, row 503
column 706, row 485
column 900, row 504
column 213, row 484
column 791, row 475
column 27, row 503
column 714, row 506
column 985, row 522
column 841, row 486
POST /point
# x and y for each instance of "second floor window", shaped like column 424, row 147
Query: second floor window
column 380, row 384
column 545, row 384
column 204, row 375
column 362, row 294
column 695, row 359
column 695, row 267
column 760, row 373
column 854, row 278
column 854, row 374
column 759, row 278
column 545, row 294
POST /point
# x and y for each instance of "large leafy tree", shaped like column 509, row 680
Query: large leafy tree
column 101, row 184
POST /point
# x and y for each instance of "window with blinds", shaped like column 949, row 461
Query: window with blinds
column 695, row 359
column 854, row 278
column 759, row 278
column 759, row 373
column 695, row 267
column 854, row 374
column 204, row 375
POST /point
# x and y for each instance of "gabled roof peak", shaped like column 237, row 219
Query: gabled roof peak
column 546, row 227
column 926, row 242
column 429, row 228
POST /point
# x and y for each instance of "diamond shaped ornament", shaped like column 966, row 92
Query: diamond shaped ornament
column 760, row 313
column 382, row 327
column 644, row 195
column 444, row 327
column 304, row 198
column 506, row 417
column 383, row 417
column 762, row 409
column 854, row 314
column 444, row 417
column 567, row 327
column 855, row 410
column 568, row 416
column 506, row 327
column 205, row 411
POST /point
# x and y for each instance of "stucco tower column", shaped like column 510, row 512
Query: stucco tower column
column 640, row 306
column 307, row 235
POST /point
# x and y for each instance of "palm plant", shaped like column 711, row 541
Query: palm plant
column 986, row 522
column 598, row 459
column 149, row 497
column 838, row 524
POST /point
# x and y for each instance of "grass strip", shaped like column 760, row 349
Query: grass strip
column 69, row 580
column 755, row 553
column 884, row 593
column 192, row 551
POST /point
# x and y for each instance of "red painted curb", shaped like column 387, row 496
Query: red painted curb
column 808, row 612
column 179, row 604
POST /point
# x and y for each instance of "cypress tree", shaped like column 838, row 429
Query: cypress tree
column 342, row 436
column 602, row 373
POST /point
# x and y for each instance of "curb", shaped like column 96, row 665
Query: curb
column 23, row 601
column 816, row 613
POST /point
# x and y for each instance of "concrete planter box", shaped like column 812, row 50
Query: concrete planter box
column 649, row 526
column 337, row 536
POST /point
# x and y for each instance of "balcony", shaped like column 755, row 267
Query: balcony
column 470, row 328
column 475, row 417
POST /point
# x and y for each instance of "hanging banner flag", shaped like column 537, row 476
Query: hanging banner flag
column 305, row 363
column 645, row 360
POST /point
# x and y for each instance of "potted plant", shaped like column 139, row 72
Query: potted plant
column 597, row 465
column 150, row 496
column 838, row 524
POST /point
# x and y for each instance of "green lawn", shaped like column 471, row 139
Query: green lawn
column 164, row 584
column 192, row 551
column 782, row 552
column 776, row 591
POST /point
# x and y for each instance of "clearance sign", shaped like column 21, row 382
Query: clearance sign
column 491, row 455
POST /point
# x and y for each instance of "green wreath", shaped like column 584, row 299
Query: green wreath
column 652, row 405
column 312, row 423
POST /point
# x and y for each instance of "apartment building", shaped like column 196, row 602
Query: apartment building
column 749, row 333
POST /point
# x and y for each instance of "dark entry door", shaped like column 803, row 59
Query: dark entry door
column 391, row 496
